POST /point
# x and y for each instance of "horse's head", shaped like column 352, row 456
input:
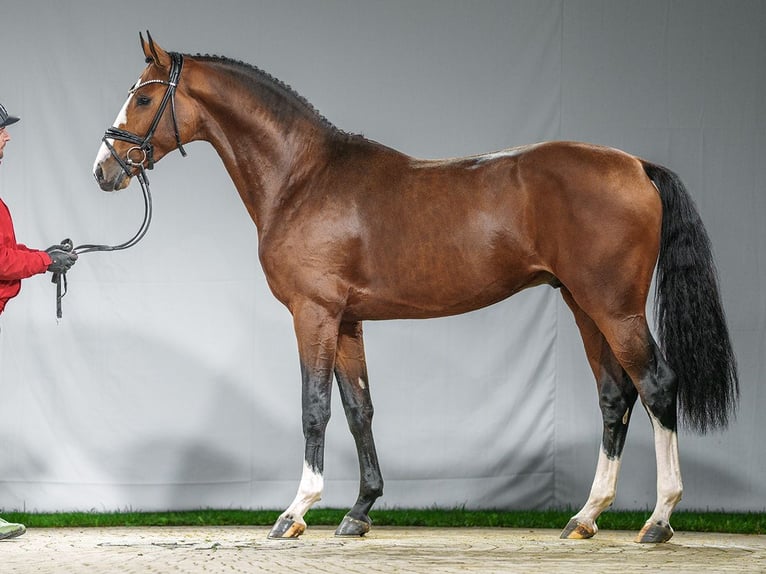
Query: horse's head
column 148, row 126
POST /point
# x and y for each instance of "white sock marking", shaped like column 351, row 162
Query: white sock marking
column 309, row 492
column 602, row 491
column 669, row 484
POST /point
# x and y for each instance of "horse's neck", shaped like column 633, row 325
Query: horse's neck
column 262, row 155
column 261, row 165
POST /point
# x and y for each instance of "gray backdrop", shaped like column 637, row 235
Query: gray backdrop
column 173, row 380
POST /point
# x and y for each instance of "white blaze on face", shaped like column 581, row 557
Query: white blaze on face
column 122, row 119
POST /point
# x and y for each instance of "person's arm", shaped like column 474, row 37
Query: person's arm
column 21, row 262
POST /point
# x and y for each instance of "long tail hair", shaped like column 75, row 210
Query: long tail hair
column 688, row 311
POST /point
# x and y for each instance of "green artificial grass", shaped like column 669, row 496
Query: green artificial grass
column 729, row 522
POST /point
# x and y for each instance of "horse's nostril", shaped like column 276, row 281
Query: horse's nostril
column 99, row 173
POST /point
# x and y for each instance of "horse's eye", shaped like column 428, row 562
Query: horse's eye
column 143, row 101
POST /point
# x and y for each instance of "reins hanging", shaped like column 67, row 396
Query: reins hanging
column 60, row 278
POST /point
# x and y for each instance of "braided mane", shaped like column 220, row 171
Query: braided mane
column 261, row 78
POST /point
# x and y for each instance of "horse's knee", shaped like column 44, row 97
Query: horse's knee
column 316, row 410
column 315, row 423
column 360, row 417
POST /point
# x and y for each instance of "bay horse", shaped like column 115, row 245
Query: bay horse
column 350, row 230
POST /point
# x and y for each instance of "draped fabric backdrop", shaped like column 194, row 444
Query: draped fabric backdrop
column 173, row 381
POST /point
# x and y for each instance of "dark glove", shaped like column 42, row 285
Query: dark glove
column 61, row 258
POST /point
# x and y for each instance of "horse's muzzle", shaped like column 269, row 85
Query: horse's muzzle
column 111, row 181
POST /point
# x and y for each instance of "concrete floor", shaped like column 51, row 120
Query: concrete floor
column 383, row 550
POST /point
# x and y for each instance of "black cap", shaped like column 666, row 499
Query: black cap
column 5, row 119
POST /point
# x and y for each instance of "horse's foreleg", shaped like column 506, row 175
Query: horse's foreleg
column 351, row 373
column 617, row 395
column 317, row 333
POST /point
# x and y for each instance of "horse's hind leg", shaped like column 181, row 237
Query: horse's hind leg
column 635, row 349
column 617, row 395
column 658, row 390
column 351, row 374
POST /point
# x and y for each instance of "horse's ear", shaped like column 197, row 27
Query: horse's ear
column 154, row 54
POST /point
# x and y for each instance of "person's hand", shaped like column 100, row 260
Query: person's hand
column 61, row 259
column 65, row 245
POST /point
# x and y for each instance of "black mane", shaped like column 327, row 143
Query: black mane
column 261, row 78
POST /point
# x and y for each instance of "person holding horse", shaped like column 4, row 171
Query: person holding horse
column 18, row 262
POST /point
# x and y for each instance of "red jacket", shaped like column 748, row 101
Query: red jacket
column 17, row 261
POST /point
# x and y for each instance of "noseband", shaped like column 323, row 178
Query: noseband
column 143, row 145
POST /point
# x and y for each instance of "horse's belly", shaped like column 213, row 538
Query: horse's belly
column 437, row 295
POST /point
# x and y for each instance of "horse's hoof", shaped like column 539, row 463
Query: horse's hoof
column 576, row 530
column 353, row 527
column 655, row 532
column 285, row 528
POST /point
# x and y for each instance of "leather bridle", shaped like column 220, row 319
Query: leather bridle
column 144, row 146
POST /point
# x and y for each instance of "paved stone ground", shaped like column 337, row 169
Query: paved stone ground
column 385, row 550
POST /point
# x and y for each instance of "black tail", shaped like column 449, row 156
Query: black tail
column 688, row 310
